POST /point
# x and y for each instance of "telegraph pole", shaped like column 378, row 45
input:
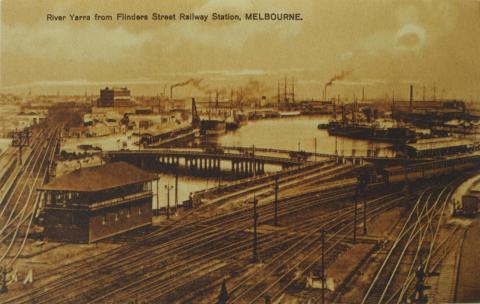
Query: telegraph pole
column 275, row 220
column 364, row 212
column 168, row 187
column 255, row 217
column 323, row 266
column 176, row 191
column 254, row 162
column 355, row 218
column 158, row 203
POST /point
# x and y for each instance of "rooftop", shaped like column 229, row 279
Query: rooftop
column 103, row 177
column 439, row 143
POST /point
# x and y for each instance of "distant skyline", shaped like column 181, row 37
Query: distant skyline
column 386, row 44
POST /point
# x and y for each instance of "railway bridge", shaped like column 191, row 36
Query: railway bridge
column 241, row 164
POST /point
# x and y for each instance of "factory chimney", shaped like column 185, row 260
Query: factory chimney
column 411, row 98
column 171, row 91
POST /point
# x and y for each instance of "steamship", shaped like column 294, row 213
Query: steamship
column 394, row 135
column 212, row 127
column 368, row 130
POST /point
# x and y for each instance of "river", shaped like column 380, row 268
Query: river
column 292, row 133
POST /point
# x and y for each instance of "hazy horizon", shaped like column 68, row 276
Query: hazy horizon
column 386, row 46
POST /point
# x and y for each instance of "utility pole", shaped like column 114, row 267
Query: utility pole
column 275, row 220
column 323, row 266
column 158, row 200
column 363, row 181
column 254, row 162
column 255, row 217
column 355, row 218
column 176, row 191
column 139, row 136
column 336, row 146
column 168, row 187
column 364, row 212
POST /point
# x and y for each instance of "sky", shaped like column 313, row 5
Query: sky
column 384, row 46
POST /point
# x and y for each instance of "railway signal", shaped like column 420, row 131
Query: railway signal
column 4, row 270
column 268, row 299
column 223, row 296
column 255, row 218
column 420, row 287
column 21, row 139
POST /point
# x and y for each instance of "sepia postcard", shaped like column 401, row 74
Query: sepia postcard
column 239, row 151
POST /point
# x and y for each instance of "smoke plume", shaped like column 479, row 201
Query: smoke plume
column 342, row 76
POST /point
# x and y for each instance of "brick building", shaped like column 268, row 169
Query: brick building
column 115, row 97
column 90, row 204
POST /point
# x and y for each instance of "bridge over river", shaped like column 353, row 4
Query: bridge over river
column 241, row 164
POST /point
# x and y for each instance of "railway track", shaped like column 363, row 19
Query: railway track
column 20, row 199
column 283, row 271
column 115, row 269
column 413, row 247
column 234, row 251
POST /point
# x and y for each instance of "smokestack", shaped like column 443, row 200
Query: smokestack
column 411, row 98
column 363, row 94
column 216, row 99
column 334, row 110
column 171, row 91
column 354, row 108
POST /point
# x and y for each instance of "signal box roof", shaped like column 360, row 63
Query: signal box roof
column 103, row 177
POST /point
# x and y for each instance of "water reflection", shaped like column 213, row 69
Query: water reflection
column 283, row 133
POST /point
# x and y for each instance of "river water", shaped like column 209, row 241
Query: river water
column 292, row 133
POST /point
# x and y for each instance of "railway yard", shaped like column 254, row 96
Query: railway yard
column 375, row 234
